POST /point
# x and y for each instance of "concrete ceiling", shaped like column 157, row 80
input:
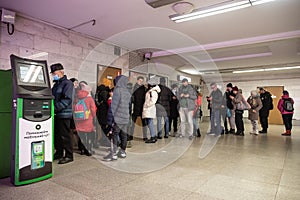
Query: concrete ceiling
column 267, row 34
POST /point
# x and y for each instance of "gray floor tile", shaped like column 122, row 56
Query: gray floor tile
column 286, row 193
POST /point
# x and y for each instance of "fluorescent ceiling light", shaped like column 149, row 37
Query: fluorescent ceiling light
column 267, row 69
column 223, row 8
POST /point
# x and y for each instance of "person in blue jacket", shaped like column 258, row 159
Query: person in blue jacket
column 62, row 91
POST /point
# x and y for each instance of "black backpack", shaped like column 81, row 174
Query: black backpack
column 288, row 105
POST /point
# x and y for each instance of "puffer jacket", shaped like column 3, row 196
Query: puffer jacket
column 149, row 109
column 121, row 101
column 280, row 105
column 88, row 124
column 63, row 91
column 163, row 101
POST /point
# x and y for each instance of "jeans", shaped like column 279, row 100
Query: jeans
column 287, row 120
column 166, row 126
column 134, row 118
column 87, row 139
column 195, row 125
column 186, row 116
column 215, row 121
column 232, row 120
column 150, row 124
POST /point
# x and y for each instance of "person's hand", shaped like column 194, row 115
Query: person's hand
column 182, row 95
column 209, row 98
column 231, row 97
column 187, row 96
column 254, row 111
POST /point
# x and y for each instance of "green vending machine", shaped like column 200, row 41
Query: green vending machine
column 32, row 122
column 5, row 121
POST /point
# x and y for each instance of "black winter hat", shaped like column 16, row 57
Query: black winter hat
column 56, row 67
column 229, row 85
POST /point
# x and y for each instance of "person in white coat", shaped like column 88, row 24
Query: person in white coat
column 149, row 110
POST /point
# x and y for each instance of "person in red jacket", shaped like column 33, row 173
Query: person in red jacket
column 286, row 108
column 85, row 128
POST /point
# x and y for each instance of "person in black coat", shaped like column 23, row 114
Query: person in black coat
column 101, row 97
column 174, row 114
column 138, row 99
column 264, row 112
column 163, row 108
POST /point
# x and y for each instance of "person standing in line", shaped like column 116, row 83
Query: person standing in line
column 174, row 114
column 149, row 110
column 216, row 99
column 286, row 108
column 229, row 105
column 163, row 108
column 63, row 92
column 186, row 97
column 256, row 104
column 72, row 124
column 118, row 117
column 137, row 100
column 196, row 115
column 85, row 127
column 264, row 112
column 240, row 104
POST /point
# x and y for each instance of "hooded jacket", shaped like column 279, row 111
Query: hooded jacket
column 120, row 101
column 63, row 90
column 88, row 124
column 281, row 102
column 149, row 109
column 163, row 101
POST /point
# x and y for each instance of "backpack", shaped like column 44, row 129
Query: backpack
column 81, row 111
column 288, row 105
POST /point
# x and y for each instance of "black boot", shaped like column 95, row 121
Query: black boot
column 198, row 133
column 151, row 140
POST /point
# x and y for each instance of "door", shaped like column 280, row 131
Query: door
column 276, row 92
column 106, row 75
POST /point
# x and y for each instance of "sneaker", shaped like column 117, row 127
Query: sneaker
column 110, row 157
column 121, row 154
column 180, row 136
column 191, row 137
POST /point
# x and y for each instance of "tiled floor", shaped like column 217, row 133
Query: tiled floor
column 265, row 167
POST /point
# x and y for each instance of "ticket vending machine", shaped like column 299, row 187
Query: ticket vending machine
column 32, row 122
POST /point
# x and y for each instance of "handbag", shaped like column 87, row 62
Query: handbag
column 228, row 112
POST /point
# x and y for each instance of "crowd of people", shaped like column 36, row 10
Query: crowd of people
column 116, row 109
column 230, row 107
